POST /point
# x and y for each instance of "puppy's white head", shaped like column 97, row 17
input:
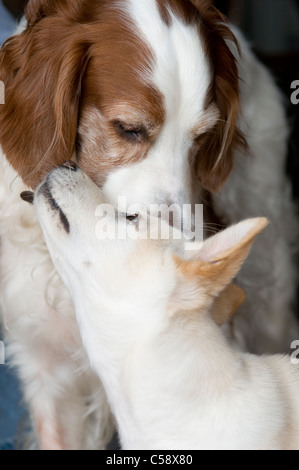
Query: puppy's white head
column 101, row 253
column 134, row 274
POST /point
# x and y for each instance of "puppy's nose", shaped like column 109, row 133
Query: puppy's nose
column 69, row 165
column 27, row 196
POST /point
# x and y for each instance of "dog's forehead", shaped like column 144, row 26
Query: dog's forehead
column 180, row 56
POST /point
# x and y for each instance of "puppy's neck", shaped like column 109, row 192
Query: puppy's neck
column 182, row 358
column 200, row 347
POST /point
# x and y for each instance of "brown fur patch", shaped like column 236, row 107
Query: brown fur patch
column 116, row 100
column 215, row 158
column 227, row 304
column 73, row 55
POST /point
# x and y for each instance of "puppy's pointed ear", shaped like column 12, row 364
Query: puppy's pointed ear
column 216, row 263
column 227, row 304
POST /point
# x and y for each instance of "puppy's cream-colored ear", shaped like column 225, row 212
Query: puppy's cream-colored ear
column 220, row 257
column 226, row 305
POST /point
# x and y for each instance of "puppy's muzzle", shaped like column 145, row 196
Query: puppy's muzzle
column 28, row 196
column 45, row 190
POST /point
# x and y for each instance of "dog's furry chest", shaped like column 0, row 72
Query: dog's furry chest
column 44, row 307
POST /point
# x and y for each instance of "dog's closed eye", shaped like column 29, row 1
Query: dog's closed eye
column 131, row 132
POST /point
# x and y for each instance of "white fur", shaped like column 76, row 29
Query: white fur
column 36, row 310
column 172, row 379
column 43, row 341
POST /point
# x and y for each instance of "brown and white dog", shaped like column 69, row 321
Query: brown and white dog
column 160, row 103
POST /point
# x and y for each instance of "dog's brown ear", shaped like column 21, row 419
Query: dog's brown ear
column 42, row 70
column 226, row 305
column 217, row 262
column 215, row 157
column 38, row 9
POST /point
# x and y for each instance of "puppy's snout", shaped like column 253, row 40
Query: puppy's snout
column 69, row 165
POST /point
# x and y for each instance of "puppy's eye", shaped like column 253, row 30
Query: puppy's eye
column 130, row 132
column 133, row 218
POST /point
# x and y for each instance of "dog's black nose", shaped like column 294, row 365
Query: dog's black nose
column 70, row 165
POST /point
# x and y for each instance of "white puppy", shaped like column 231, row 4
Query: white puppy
column 144, row 311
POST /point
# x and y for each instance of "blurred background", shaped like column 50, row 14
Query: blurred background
column 272, row 27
